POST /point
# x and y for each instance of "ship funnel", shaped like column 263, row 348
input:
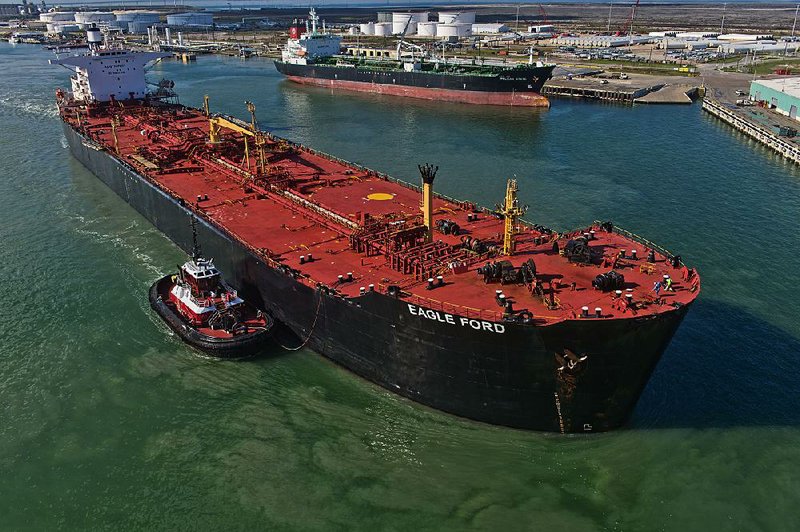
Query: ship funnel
column 94, row 37
column 428, row 173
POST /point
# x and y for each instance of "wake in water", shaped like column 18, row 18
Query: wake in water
column 20, row 104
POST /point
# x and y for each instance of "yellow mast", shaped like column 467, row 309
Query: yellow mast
column 511, row 211
column 428, row 173
column 114, row 133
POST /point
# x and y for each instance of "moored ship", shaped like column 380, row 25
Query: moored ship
column 314, row 58
column 465, row 309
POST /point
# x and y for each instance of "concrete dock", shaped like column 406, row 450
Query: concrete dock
column 670, row 94
column 755, row 123
column 595, row 89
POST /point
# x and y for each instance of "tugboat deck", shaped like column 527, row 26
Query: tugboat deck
column 305, row 203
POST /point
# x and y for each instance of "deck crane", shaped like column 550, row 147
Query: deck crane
column 216, row 123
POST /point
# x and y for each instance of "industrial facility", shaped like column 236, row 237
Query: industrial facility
column 450, row 24
column 127, row 21
column 781, row 95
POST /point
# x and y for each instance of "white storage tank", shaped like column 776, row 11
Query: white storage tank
column 57, row 16
column 464, row 29
column 367, row 29
column 457, row 17
column 427, row 29
column 400, row 21
column 59, row 28
column 404, row 28
column 447, row 30
column 125, row 17
column 94, row 17
column 138, row 28
column 190, row 19
column 383, row 29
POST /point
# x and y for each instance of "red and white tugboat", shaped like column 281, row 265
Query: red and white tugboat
column 208, row 314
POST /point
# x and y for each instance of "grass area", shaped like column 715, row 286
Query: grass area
column 766, row 66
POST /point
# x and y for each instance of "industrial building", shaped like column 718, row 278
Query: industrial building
column 782, row 94
column 489, row 28
column 601, row 41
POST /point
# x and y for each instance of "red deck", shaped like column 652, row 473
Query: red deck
column 308, row 203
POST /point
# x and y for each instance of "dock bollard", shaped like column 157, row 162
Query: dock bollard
column 430, row 283
column 341, row 279
column 439, row 280
column 598, row 312
column 629, row 298
column 362, row 290
column 584, row 312
column 349, row 276
column 633, row 254
column 372, row 288
column 617, row 294
column 302, row 259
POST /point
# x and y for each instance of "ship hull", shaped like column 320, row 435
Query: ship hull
column 519, row 89
column 500, row 373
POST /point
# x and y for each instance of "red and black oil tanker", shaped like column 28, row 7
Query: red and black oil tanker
column 461, row 308
column 313, row 58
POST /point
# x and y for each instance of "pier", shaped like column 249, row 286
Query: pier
column 594, row 89
column 745, row 121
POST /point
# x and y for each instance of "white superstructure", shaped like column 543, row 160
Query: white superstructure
column 311, row 44
column 105, row 74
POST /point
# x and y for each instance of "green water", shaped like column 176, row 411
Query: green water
column 108, row 422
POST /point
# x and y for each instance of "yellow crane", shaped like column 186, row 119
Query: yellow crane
column 511, row 211
column 216, row 123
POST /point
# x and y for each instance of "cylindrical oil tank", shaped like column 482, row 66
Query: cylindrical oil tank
column 464, row 29
column 427, row 29
column 190, row 19
column 57, row 16
column 457, row 17
column 447, row 30
column 367, row 28
column 94, row 17
column 59, row 28
column 383, row 29
column 138, row 28
column 409, row 27
column 150, row 17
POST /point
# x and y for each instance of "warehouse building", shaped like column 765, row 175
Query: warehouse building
column 782, row 94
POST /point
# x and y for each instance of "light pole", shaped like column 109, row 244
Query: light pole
column 724, row 9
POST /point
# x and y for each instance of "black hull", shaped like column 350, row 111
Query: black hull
column 527, row 79
column 507, row 378
column 242, row 346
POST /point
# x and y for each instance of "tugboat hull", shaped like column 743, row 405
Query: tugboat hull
column 239, row 346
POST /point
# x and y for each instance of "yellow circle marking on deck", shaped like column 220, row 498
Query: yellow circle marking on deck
column 380, row 196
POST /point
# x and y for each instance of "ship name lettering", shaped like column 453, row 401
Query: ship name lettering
column 443, row 317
